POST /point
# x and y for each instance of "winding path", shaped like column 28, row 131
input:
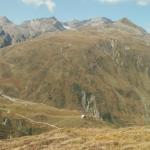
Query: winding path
column 29, row 119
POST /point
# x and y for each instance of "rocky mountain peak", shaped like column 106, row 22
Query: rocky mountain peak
column 127, row 22
column 4, row 20
column 92, row 22
column 33, row 28
column 43, row 24
column 100, row 20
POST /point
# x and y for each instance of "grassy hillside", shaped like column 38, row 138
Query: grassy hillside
column 104, row 75
column 89, row 139
column 21, row 118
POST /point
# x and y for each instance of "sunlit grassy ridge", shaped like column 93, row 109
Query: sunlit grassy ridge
column 135, row 138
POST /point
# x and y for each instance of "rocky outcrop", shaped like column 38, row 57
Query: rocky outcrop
column 12, row 127
column 87, row 102
column 29, row 29
column 89, row 105
column 39, row 26
column 5, row 38
column 93, row 22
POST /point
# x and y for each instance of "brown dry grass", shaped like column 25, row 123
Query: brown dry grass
column 135, row 138
column 47, row 69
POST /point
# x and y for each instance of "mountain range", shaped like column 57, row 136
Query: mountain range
column 52, row 72
column 11, row 33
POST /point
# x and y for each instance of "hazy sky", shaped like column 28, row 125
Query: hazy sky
column 20, row 10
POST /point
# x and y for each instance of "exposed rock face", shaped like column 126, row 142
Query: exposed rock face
column 43, row 24
column 12, row 128
column 33, row 28
column 28, row 30
column 89, row 105
column 39, row 26
column 4, row 21
column 102, row 24
column 93, row 22
column 5, row 38
column 127, row 26
column 87, row 101
column 127, row 22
